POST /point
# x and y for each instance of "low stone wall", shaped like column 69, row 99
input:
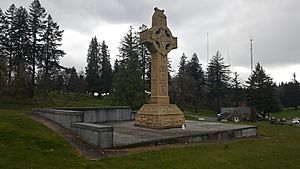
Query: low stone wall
column 98, row 135
column 225, row 135
column 249, row 132
column 105, row 114
column 80, row 121
column 66, row 118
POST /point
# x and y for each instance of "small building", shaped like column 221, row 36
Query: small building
column 235, row 113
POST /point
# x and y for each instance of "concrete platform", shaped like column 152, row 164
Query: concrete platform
column 127, row 135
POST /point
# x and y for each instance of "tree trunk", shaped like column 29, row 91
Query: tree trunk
column 33, row 68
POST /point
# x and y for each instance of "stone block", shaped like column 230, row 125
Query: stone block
column 159, row 116
column 65, row 118
column 250, row 132
column 98, row 135
column 107, row 114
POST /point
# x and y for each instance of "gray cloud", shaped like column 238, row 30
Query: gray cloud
column 274, row 25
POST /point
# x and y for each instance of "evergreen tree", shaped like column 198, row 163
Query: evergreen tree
column 106, row 70
column 3, row 70
column 82, row 87
column 22, row 42
column 116, row 67
column 49, row 60
column 184, row 81
column 2, row 28
column 3, row 57
column 237, row 89
column 93, row 67
column 196, row 73
column 183, row 64
column 21, row 50
column 128, row 84
column 217, row 79
column 73, row 81
column 36, row 26
column 291, row 93
column 59, row 83
column 8, row 38
column 2, row 32
column 262, row 92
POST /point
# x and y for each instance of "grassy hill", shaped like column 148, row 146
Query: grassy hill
column 25, row 143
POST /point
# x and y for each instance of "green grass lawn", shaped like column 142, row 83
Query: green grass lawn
column 25, row 143
column 202, row 113
column 190, row 117
column 289, row 113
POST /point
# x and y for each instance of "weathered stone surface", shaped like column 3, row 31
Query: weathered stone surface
column 96, row 134
column 65, row 118
column 159, row 113
column 126, row 135
column 105, row 115
column 159, row 116
column 81, row 122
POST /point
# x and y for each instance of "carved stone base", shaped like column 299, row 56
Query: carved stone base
column 159, row 116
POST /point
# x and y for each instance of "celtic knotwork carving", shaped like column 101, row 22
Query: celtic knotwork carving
column 159, row 113
column 159, row 38
column 160, row 41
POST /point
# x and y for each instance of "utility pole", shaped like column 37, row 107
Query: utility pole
column 251, row 50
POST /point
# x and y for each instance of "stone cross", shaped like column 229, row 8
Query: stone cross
column 159, row 114
column 160, row 42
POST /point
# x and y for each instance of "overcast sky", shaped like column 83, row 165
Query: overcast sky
column 273, row 24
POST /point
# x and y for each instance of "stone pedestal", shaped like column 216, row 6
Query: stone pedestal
column 159, row 116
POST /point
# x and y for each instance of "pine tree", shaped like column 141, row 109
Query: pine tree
column 291, row 93
column 82, row 84
column 73, row 81
column 3, row 70
column 128, row 84
column 183, row 64
column 93, row 67
column 37, row 27
column 21, row 52
column 59, row 82
column 262, row 92
column 106, row 70
column 3, row 57
column 8, row 38
column 49, row 60
column 196, row 73
column 237, row 89
column 217, row 79
column 2, row 27
column 116, row 67
column 184, row 81
column 2, row 33
column 22, row 40
column 195, row 69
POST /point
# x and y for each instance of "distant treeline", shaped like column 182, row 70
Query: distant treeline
column 29, row 43
column 29, row 65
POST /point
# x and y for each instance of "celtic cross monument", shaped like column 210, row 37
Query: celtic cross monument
column 159, row 114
